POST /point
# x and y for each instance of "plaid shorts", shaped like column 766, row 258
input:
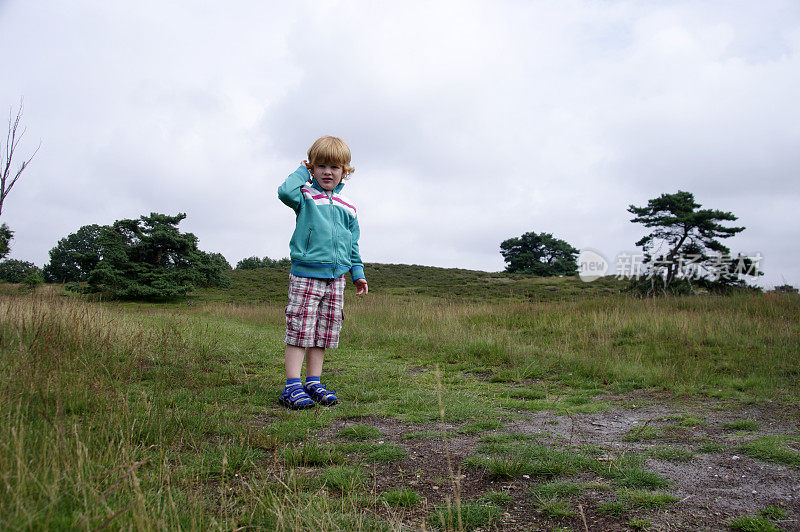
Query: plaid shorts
column 315, row 312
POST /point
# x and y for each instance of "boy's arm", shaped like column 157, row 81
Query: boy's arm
column 357, row 268
column 290, row 192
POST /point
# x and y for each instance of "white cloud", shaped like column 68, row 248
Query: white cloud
column 470, row 122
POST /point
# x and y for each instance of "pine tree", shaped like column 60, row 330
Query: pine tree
column 685, row 242
column 151, row 259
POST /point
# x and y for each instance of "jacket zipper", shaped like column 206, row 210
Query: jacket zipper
column 333, row 235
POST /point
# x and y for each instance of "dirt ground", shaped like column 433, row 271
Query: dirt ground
column 712, row 488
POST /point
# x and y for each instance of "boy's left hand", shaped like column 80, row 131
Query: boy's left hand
column 361, row 287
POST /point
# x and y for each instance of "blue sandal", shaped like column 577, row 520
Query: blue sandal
column 319, row 394
column 295, row 398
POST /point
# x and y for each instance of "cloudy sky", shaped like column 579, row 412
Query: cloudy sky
column 470, row 122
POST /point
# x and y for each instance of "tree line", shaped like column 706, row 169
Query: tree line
column 150, row 259
column 141, row 259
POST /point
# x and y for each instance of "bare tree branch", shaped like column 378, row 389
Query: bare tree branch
column 13, row 137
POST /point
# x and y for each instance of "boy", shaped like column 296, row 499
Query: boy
column 323, row 248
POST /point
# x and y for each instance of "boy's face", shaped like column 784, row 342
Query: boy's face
column 328, row 175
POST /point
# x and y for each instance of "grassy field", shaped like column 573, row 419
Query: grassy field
column 164, row 416
column 415, row 282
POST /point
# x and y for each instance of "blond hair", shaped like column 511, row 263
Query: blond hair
column 331, row 150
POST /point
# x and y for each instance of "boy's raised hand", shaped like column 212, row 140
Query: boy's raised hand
column 309, row 167
column 361, row 287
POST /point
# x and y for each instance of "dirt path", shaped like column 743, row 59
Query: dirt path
column 695, row 444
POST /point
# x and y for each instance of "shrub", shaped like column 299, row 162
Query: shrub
column 32, row 280
column 15, row 271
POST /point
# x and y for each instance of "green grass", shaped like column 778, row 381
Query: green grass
column 343, row 478
column 427, row 435
column 527, row 393
column 466, row 516
column 642, row 433
column 746, row 425
column 557, row 489
column 498, row 498
column 773, row 512
column 480, row 426
column 646, row 498
column 296, row 428
column 374, row 451
column 311, row 454
column 505, row 458
column 127, row 416
column 634, row 477
column 404, row 498
column 513, row 327
column 510, row 437
column 556, row 508
column 691, row 421
column 637, row 523
column 712, row 448
column 773, row 449
column 750, row 523
column 502, row 460
column 360, row 432
column 614, row 508
column 678, row 432
column 411, row 281
column 671, row 454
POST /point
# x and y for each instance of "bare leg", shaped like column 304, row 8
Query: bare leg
column 314, row 358
column 294, row 361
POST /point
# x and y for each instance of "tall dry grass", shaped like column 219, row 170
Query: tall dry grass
column 76, row 439
column 131, row 416
column 745, row 342
column 126, row 417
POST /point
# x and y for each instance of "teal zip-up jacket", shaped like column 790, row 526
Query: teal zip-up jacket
column 325, row 240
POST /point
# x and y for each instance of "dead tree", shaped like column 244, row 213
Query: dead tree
column 15, row 133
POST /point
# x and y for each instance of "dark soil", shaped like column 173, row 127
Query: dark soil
column 712, row 488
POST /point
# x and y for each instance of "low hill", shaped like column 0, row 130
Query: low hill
column 271, row 284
